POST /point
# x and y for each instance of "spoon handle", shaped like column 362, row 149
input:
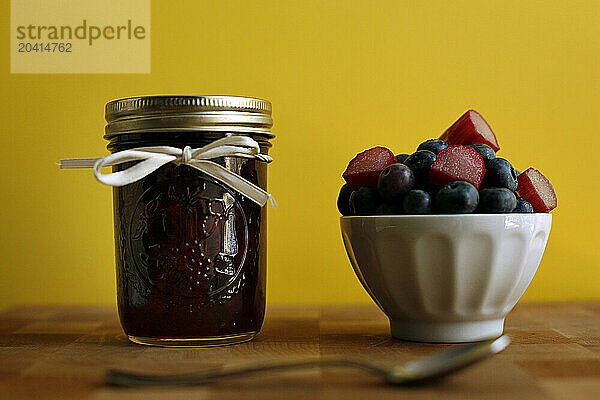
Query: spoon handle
column 121, row 378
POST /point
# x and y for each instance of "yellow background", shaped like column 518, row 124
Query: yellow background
column 342, row 76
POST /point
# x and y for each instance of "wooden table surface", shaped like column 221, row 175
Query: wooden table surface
column 62, row 352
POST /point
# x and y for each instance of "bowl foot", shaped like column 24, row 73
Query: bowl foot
column 446, row 332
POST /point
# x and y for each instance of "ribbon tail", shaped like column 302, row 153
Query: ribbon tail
column 72, row 163
column 131, row 174
column 272, row 200
column 234, row 181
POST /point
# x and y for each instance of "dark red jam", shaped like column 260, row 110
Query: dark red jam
column 190, row 251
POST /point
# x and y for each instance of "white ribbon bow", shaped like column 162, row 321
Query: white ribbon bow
column 154, row 157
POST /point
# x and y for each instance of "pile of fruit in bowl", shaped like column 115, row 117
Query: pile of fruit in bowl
column 447, row 239
column 459, row 173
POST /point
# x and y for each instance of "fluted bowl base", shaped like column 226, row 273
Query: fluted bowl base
column 446, row 278
column 446, row 332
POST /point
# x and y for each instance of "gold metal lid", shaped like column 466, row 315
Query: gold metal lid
column 189, row 113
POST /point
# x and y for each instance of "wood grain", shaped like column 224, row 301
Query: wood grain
column 62, row 352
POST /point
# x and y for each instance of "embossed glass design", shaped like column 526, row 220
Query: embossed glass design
column 190, row 255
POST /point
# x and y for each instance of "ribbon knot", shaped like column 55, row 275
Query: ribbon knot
column 153, row 157
column 187, row 155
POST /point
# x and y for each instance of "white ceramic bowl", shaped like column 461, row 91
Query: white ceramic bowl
column 446, row 278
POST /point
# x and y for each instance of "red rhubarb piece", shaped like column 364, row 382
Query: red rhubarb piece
column 457, row 163
column 471, row 128
column 364, row 169
column 537, row 190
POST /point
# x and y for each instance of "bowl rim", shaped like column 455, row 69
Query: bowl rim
column 429, row 216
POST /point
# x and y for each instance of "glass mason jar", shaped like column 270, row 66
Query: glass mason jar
column 190, row 251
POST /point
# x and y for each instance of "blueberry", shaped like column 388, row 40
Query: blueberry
column 457, row 197
column 433, row 145
column 364, row 201
column 417, row 202
column 394, row 181
column 343, row 201
column 389, row 209
column 484, row 151
column 496, row 200
column 523, row 206
column 500, row 174
column 427, row 187
column 402, row 157
column 419, row 162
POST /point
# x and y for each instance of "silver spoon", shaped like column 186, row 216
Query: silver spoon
column 423, row 369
